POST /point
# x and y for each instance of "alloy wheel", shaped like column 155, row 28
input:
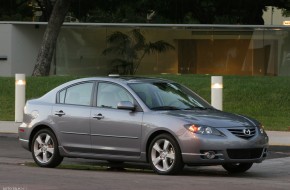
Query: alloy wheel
column 164, row 155
column 43, row 148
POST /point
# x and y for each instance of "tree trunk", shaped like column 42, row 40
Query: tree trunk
column 44, row 58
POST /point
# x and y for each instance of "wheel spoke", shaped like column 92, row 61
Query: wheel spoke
column 171, row 155
column 165, row 165
column 39, row 140
column 45, row 157
column 47, row 138
column 166, row 144
column 37, row 152
column 51, row 150
column 156, row 160
column 157, row 147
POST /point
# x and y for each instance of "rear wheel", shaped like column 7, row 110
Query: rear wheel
column 164, row 155
column 44, row 148
column 237, row 167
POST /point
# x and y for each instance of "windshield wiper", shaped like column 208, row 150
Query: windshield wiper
column 165, row 108
column 198, row 107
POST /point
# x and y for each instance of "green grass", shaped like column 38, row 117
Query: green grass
column 35, row 87
column 264, row 98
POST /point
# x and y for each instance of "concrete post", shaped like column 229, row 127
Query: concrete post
column 217, row 92
column 20, row 84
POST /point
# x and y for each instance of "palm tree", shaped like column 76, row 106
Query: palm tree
column 130, row 49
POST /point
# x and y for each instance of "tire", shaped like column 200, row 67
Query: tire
column 237, row 167
column 164, row 155
column 44, row 148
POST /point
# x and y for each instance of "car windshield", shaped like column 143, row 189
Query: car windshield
column 168, row 96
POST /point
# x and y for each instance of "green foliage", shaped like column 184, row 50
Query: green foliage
column 7, row 98
column 135, row 11
column 264, row 98
column 15, row 10
column 129, row 50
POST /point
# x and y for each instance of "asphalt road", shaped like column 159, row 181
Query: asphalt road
column 17, row 174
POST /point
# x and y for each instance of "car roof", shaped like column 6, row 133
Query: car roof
column 49, row 97
column 129, row 79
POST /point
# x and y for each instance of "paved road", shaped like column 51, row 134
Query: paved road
column 274, row 173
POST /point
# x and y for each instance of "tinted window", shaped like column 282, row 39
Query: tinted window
column 109, row 95
column 62, row 96
column 162, row 95
column 79, row 94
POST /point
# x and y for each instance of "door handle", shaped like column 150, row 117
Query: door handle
column 99, row 116
column 59, row 113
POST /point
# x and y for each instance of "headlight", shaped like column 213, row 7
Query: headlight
column 261, row 129
column 204, row 130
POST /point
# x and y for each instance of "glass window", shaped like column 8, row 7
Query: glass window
column 162, row 95
column 109, row 95
column 78, row 95
column 62, row 96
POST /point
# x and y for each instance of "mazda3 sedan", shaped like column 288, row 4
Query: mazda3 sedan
column 131, row 119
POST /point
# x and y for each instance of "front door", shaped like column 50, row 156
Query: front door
column 115, row 132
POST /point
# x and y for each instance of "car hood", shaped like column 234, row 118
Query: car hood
column 213, row 118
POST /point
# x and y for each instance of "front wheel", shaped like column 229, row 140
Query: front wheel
column 237, row 167
column 164, row 155
column 44, row 148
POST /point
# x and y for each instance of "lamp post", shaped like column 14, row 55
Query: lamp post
column 217, row 92
column 20, row 84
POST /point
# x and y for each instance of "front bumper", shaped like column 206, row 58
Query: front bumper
column 208, row 149
column 222, row 156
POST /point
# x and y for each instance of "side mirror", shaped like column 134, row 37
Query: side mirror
column 126, row 105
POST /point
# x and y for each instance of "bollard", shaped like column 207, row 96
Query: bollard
column 20, row 84
column 217, row 92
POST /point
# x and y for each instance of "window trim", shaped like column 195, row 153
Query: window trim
column 138, row 107
column 75, row 84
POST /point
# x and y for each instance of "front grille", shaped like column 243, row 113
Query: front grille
column 244, row 133
column 252, row 153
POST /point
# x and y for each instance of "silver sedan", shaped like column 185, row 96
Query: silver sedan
column 135, row 119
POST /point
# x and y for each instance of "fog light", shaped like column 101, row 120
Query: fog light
column 210, row 154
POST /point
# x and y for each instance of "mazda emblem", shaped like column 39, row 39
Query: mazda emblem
column 247, row 132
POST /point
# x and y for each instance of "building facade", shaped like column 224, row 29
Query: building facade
column 198, row 49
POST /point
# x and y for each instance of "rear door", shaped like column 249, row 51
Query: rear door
column 72, row 116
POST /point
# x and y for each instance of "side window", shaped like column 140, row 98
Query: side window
column 79, row 94
column 109, row 95
column 144, row 93
column 62, row 96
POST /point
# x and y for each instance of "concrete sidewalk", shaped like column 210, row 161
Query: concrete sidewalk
column 278, row 138
column 9, row 127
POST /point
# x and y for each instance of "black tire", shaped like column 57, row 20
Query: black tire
column 44, row 149
column 237, row 167
column 167, row 159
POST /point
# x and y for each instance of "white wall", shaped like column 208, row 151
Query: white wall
column 273, row 16
column 5, row 49
column 26, row 40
